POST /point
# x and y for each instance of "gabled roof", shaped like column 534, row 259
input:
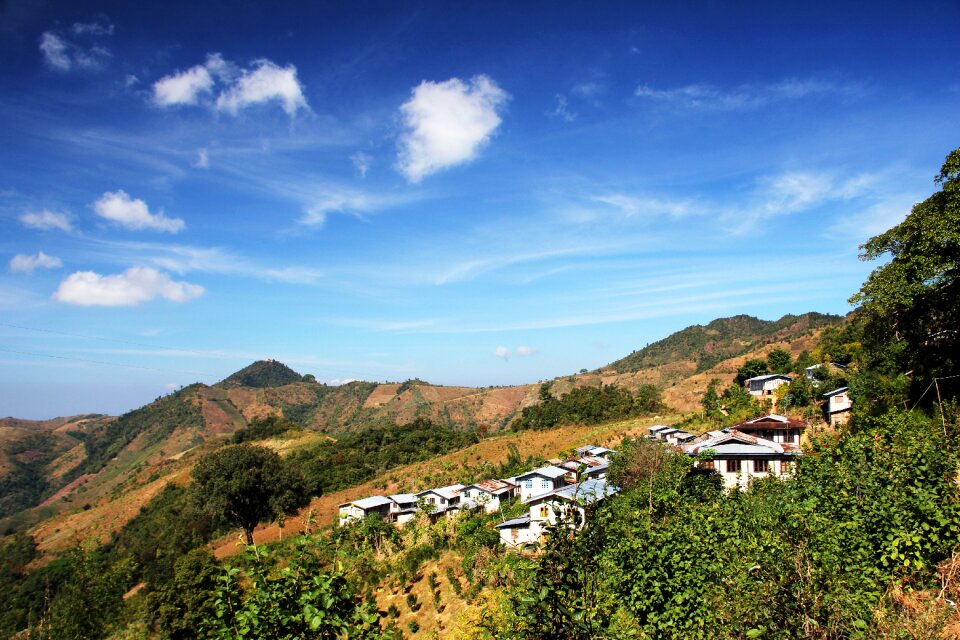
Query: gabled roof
column 599, row 451
column 369, row 503
column 522, row 521
column 404, row 497
column 770, row 417
column 769, row 376
column 586, row 492
column 771, row 421
column 447, row 493
column 836, row 392
column 551, row 472
column 657, row 428
column 737, row 442
column 493, row 486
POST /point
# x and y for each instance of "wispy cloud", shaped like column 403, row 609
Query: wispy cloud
column 23, row 263
column 447, row 123
column 46, row 219
column 562, row 109
column 744, row 96
column 130, row 288
column 79, row 47
column 361, row 162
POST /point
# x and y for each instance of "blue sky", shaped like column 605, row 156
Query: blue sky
column 478, row 194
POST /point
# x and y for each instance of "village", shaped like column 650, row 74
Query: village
column 567, row 489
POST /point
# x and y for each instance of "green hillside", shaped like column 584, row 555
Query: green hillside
column 261, row 375
column 721, row 339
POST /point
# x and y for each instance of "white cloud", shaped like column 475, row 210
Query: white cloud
column 447, row 123
column 524, row 351
column 745, row 96
column 64, row 54
column 641, row 206
column 133, row 213
column 203, row 160
column 502, row 352
column 130, row 288
column 265, row 83
column 28, row 264
column 47, row 219
column 361, row 161
column 183, row 88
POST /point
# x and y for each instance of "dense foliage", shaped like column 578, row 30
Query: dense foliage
column 263, row 429
column 246, row 485
column 721, row 339
column 262, row 374
column 25, row 484
column 588, row 405
column 358, row 456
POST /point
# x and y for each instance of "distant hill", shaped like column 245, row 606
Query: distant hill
column 262, row 374
column 723, row 338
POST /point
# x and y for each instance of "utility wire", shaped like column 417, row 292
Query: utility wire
column 102, row 362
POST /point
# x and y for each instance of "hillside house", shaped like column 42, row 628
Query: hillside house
column 594, row 451
column 766, row 386
column 489, row 494
column 810, row 371
column 739, row 457
column 838, row 406
column 571, row 503
column 404, row 507
column 441, row 499
column 360, row 509
column 586, row 468
column 678, row 437
column 655, row 430
column 773, row 427
column 516, row 532
column 540, row 481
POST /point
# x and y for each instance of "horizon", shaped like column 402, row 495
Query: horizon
column 471, row 195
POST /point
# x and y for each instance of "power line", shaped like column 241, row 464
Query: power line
column 89, row 337
column 102, row 362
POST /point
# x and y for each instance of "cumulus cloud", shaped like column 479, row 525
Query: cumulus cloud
column 132, row 287
column 502, row 352
column 524, row 351
column 266, row 82
column 46, row 219
column 23, row 263
column 183, row 88
column 77, row 48
column 133, row 213
column 236, row 88
column 447, row 123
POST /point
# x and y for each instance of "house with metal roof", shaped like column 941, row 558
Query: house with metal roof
column 360, row 509
column 404, row 507
column 586, row 467
column 739, row 457
column 489, row 494
column 540, row 481
column 773, row 427
column 838, row 406
column 571, row 504
column 441, row 498
column 764, row 386
column 516, row 532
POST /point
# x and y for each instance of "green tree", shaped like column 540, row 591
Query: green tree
column 711, row 401
column 182, row 605
column 780, row 361
column 751, row 369
column 246, row 485
column 911, row 305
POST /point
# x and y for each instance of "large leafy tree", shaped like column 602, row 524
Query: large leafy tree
column 246, row 485
column 911, row 305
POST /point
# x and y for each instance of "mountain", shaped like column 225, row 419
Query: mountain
column 262, row 374
column 723, row 338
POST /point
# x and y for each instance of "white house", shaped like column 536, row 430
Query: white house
column 404, row 507
column 811, row 370
column 360, row 509
column 767, row 385
column 677, row 437
column 586, row 468
column 594, row 451
column 441, row 498
column 569, row 503
column 773, row 427
column 540, row 481
column 839, row 405
column 489, row 493
column 516, row 532
column 739, row 457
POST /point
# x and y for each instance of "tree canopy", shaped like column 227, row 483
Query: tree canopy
column 911, row 305
column 246, row 485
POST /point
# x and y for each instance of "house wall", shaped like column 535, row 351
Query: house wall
column 537, row 485
column 765, row 388
column 516, row 536
column 748, row 471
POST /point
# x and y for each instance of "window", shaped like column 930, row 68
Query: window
column 733, row 466
column 544, row 483
column 707, row 465
column 789, row 437
column 761, row 466
column 544, row 511
column 528, row 483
